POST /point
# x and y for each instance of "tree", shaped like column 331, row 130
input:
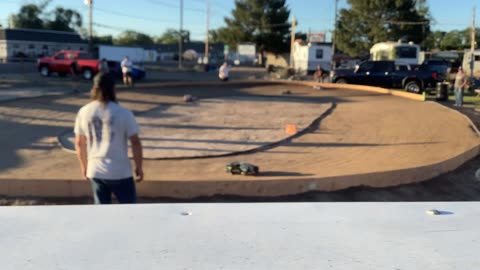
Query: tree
column 64, row 20
column 171, row 36
column 34, row 16
column 369, row 22
column 263, row 22
column 28, row 17
column 132, row 38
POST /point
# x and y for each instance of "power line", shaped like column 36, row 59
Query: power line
column 130, row 16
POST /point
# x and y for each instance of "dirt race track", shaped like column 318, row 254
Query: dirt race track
column 362, row 138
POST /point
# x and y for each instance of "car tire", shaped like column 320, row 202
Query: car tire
column 413, row 87
column 341, row 81
column 87, row 74
column 44, row 71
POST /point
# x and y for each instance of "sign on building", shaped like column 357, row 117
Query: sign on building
column 316, row 37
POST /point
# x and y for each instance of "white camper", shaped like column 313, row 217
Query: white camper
column 467, row 63
column 401, row 53
column 307, row 57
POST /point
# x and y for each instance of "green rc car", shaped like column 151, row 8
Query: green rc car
column 242, row 168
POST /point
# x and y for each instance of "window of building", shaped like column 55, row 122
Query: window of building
column 31, row 46
column 16, row 46
column 319, row 53
column 477, row 57
column 45, row 47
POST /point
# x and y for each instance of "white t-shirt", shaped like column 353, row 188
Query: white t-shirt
column 107, row 128
column 223, row 72
column 126, row 65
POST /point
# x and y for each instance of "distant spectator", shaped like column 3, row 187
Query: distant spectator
column 74, row 73
column 127, row 71
column 103, row 66
column 319, row 75
column 223, row 72
column 459, row 86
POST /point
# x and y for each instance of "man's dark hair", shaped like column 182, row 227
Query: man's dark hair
column 103, row 88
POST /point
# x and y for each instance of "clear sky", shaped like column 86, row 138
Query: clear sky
column 154, row 16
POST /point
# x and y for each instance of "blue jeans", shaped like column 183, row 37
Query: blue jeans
column 458, row 96
column 123, row 189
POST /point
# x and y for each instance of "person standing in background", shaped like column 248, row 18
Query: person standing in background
column 459, row 86
column 127, row 71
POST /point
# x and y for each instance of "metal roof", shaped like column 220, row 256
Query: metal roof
column 40, row 36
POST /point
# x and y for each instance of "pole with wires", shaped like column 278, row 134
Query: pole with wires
column 89, row 4
column 208, row 29
column 334, row 38
column 180, row 38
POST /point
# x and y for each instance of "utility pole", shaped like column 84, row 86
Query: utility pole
column 472, row 44
column 334, row 38
column 180, row 40
column 89, row 3
column 292, row 41
column 208, row 30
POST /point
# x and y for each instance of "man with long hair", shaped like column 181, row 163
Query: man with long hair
column 102, row 131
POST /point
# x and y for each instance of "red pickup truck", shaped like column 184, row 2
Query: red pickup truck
column 62, row 62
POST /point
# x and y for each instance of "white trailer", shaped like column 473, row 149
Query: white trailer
column 467, row 63
column 307, row 57
column 401, row 53
column 118, row 53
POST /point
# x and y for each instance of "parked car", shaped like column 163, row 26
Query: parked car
column 137, row 72
column 62, row 62
column 387, row 74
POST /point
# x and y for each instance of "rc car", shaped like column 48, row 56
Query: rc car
column 242, row 168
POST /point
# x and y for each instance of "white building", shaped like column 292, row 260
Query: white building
column 33, row 43
column 307, row 57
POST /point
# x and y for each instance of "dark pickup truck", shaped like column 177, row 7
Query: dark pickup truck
column 387, row 74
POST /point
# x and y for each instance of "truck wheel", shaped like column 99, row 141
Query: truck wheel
column 413, row 87
column 44, row 71
column 87, row 74
column 341, row 81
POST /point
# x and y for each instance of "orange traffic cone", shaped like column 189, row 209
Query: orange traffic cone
column 291, row 129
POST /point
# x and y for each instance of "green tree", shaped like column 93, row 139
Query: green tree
column 28, row 17
column 365, row 23
column 103, row 40
column 64, row 20
column 263, row 22
column 171, row 36
column 453, row 40
column 132, row 38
